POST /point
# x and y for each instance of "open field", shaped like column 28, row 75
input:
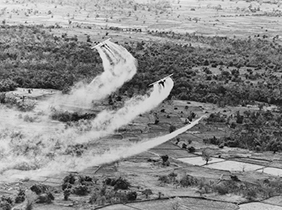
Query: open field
column 212, row 18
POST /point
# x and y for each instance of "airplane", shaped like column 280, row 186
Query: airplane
column 161, row 81
column 101, row 44
column 112, row 54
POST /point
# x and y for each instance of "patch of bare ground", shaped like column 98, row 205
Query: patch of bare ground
column 259, row 206
column 276, row 200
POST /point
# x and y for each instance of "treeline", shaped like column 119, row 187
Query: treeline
column 230, row 87
column 31, row 57
column 253, row 130
column 260, row 131
column 254, row 51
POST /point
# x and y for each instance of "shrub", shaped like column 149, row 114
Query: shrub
column 172, row 176
column 81, row 190
column 39, row 188
column 156, row 121
column 250, row 193
column 206, row 156
column 94, row 197
column 121, row 184
column 2, row 98
column 20, row 197
column 164, row 179
column 231, row 143
column 67, row 193
column 240, row 119
column 204, row 187
column 66, row 186
column 221, row 188
column 69, row 179
column 85, row 179
column 188, row 180
column 21, row 104
column 172, row 128
column 110, row 181
column 214, row 65
column 191, row 149
column 7, row 85
column 6, row 203
column 147, row 192
column 166, row 163
column 26, row 106
column 164, row 158
column 216, row 117
column 122, row 197
column 131, row 196
column 45, row 198
column 233, row 125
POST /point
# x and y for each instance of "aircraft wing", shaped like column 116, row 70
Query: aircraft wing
column 160, row 80
column 100, row 44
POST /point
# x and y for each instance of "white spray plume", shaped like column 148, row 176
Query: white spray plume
column 30, row 150
column 38, row 146
column 119, row 67
column 66, row 163
column 107, row 122
column 125, row 152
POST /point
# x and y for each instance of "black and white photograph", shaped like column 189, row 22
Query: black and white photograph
column 141, row 104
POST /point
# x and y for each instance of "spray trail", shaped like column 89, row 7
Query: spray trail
column 119, row 67
column 123, row 152
column 66, row 163
column 107, row 122
column 33, row 151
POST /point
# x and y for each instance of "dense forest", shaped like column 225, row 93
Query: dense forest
column 32, row 57
column 253, row 130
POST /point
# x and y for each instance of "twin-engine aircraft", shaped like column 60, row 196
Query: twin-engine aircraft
column 111, row 50
column 161, row 81
column 112, row 54
column 101, row 44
